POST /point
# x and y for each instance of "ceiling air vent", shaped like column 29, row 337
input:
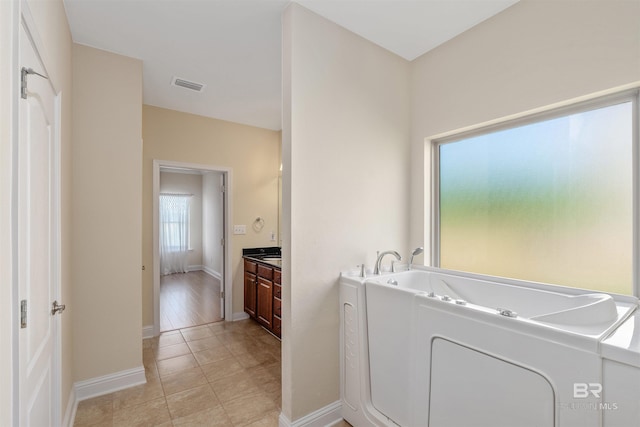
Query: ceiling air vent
column 176, row 81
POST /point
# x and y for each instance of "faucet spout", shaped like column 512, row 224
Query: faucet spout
column 376, row 270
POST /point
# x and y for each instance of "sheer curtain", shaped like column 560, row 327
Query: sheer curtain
column 174, row 233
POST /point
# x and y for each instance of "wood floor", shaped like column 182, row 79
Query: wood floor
column 188, row 299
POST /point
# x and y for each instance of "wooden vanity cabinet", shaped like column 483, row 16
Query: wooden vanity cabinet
column 277, row 303
column 250, row 288
column 263, row 295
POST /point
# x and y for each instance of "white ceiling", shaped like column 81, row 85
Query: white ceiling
column 233, row 46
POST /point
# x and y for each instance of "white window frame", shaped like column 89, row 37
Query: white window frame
column 600, row 100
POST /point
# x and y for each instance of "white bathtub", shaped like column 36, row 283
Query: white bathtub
column 429, row 347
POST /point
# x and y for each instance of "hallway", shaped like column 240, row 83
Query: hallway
column 188, row 299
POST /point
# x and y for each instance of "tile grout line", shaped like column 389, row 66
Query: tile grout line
column 227, row 346
column 227, row 339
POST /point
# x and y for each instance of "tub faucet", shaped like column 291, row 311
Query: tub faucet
column 376, row 270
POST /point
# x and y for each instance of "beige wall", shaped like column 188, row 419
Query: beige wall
column 345, row 187
column 251, row 153
column 107, row 190
column 533, row 54
column 51, row 24
column 184, row 183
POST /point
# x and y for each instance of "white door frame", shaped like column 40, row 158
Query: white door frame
column 9, row 28
column 228, row 282
column 9, row 125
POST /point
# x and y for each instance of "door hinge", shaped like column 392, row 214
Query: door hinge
column 222, row 294
column 222, row 242
column 222, row 188
column 23, row 80
column 23, row 314
column 57, row 308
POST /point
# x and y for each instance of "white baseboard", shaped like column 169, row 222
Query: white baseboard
column 240, row 316
column 72, row 408
column 147, row 332
column 211, row 272
column 109, row 383
column 323, row 417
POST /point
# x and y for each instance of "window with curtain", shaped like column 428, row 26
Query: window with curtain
column 174, row 233
column 547, row 200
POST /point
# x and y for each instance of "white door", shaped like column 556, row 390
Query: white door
column 37, row 226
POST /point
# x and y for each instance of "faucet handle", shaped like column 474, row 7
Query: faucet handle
column 363, row 271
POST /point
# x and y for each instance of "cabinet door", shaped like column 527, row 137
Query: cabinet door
column 250, row 294
column 277, row 328
column 277, row 307
column 264, row 310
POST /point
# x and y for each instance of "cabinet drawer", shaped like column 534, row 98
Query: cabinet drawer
column 277, row 329
column 277, row 291
column 276, row 276
column 277, row 307
column 250, row 266
column 265, row 272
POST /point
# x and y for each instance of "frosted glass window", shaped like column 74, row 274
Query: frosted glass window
column 550, row 201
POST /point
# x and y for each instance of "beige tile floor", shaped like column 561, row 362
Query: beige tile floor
column 220, row 374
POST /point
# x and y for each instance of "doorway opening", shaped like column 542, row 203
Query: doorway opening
column 192, row 283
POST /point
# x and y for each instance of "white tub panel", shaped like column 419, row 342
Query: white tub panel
column 621, row 395
column 354, row 362
column 469, row 388
column 351, row 355
column 389, row 329
column 499, row 337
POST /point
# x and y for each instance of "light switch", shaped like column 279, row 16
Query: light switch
column 239, row 229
